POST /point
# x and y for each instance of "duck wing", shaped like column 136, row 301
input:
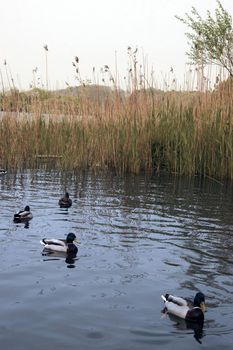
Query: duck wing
column 22, row 215
column 177, row 300
column 18, row 215
column 25, row 214
column 56, row 245
column 175, row 305
column 54, row 241
column 177, row 310
column 65, row 202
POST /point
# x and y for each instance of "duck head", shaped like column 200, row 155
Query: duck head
column 70, row 238
column 27, row 208
column 199, row 301
column 67, row 195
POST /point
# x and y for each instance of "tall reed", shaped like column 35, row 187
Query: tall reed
column 187, row 133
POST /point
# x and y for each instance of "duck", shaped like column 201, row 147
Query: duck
column 23, row 215
column 3, row 172
column 65, row 202
column 61, row 245
column 185, row 309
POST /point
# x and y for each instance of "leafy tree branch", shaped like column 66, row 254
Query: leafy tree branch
column 210, row 39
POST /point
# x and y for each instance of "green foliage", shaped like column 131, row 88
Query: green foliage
column 211, row 39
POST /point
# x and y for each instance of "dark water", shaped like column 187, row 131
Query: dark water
column 139, row 238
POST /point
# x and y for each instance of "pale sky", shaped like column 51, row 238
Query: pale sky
column 98, row 32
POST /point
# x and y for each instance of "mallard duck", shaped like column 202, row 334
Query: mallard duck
column 3, row 172
column 65, row 202
column 61, row 245
column 23, row 215
column 185, row 309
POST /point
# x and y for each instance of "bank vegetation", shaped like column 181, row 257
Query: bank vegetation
column 185, row 133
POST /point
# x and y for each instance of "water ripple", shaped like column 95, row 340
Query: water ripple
column 139, row 237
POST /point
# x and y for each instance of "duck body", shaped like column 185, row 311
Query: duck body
column 184, row 309
column 61, row 245
column 23, row 215
column 65, row 202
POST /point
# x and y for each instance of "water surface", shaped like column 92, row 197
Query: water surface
column 139, row 237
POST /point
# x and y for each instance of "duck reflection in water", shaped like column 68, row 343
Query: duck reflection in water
column 195, row 326
column 69, row 258
column 26, row 224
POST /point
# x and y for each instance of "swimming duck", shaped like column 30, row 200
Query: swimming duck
column 65, row 202
column 185, row 309
column 3, row 172
column 23, row 215
column 61, row 245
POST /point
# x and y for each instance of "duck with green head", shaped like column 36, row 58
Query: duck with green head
column 23, row 215
column 61, row 245
column 3, row 172
column 182, row 308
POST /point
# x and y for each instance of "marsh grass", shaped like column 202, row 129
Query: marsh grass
column 181, row 132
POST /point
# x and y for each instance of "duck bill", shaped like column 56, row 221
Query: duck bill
column 203, row 307
column 77, row 241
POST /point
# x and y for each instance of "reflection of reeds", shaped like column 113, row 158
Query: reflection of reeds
column 185, row 133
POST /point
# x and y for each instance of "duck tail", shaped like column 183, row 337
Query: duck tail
column 163, row 297
column 17, row 218
column 42, row 241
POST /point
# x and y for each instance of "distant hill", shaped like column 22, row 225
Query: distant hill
column 90, row 92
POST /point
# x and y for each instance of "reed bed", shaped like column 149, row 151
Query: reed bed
column 186, row 133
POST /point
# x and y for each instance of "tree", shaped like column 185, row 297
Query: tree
column 211, row 39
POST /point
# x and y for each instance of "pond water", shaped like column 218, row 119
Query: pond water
column 140, row 237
